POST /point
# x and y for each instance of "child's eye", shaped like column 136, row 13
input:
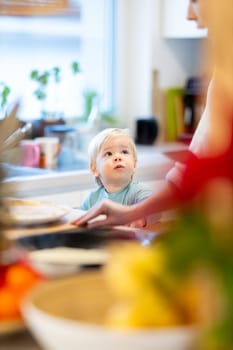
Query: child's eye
column 125, row 151
column 108, row 154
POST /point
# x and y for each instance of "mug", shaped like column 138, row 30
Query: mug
column 30, row 151
column 147, row 130
column 49, row 151
column 68, row 142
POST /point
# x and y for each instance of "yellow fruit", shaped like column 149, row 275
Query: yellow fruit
column 150, row 310
column 133, row 269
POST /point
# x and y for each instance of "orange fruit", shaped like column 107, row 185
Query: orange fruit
column 19, row 277
column 9, row 308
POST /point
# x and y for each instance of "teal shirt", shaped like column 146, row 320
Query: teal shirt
column 133, row 193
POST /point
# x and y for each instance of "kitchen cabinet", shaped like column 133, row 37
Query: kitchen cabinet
column 174, row 22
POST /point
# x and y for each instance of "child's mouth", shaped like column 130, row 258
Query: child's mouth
column 119, row 167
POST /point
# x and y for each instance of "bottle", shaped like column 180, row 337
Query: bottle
column 42, row 160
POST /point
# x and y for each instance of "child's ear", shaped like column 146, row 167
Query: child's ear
column 94, row 171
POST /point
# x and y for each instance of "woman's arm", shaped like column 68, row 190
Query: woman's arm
column 164, row 198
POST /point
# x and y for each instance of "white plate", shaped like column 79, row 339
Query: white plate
column 61, row 261
column 27, row 212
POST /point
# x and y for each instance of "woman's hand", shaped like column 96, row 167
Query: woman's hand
column 114, row 214
column 140, row 223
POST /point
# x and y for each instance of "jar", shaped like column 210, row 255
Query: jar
column 68, row 143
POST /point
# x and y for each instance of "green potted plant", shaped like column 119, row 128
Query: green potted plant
column 4, row 95
column 43, row 79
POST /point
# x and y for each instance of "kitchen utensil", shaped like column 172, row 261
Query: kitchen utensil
column 61, row 261
column 13, row 139
column 28, row 212
column 65, row 251
column 9, row 124
column 69, row 314
column 81, row 237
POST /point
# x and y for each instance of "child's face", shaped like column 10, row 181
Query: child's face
column 115, row 163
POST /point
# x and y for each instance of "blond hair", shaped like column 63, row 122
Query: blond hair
column 104, row 136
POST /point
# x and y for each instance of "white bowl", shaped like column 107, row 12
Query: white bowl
column 67, row 314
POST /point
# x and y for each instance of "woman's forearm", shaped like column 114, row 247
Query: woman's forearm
column 162, row 199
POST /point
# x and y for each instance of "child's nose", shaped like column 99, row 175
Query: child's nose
column 117, row 156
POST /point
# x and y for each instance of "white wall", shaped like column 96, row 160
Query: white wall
column 140, row 49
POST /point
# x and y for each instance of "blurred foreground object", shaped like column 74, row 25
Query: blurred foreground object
column 220, row 23
column 12, row 131
column 69, row 314
column 16, row 276
column 186, row 278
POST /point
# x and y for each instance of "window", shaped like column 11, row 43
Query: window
column 41, row 43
